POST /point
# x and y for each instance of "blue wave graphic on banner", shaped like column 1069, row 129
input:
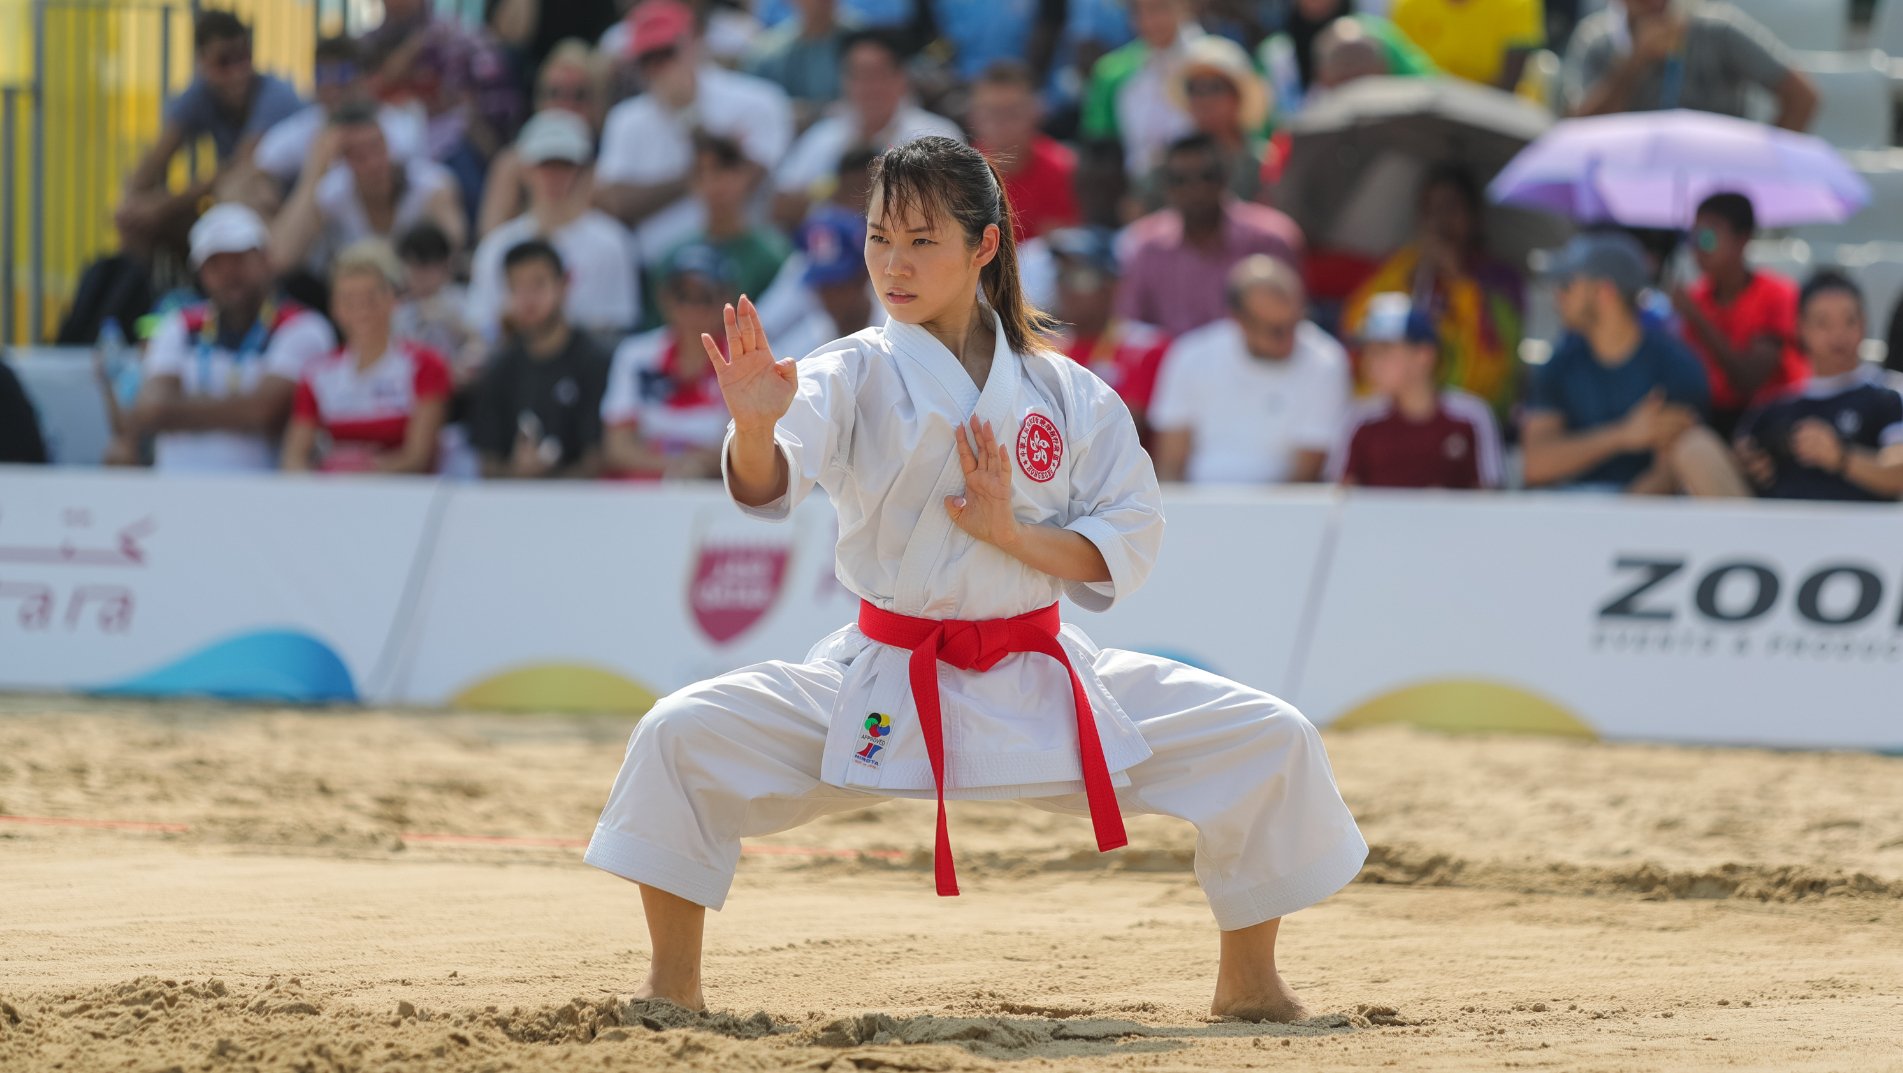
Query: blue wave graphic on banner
column 281, row 665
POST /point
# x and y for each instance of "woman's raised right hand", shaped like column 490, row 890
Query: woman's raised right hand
column 758, row 389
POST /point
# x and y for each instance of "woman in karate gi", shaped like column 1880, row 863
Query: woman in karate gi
column 977, row 476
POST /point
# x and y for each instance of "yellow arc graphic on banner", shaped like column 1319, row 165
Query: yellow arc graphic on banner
column 1470, row 706
column 563, row 687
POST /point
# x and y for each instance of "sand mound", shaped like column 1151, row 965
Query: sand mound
column 1407, row 865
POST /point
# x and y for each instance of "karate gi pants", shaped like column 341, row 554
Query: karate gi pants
column 738, row 756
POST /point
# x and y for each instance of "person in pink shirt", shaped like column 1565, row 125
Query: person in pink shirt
column 1177, row 260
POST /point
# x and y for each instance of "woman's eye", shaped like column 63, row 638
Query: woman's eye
column 921, row 242
column 880, row 239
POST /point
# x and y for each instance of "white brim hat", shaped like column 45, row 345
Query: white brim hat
column 553, row 135
column 227, row 228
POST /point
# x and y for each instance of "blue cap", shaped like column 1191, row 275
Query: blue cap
column 1392, row 318
column 1613, row 256
column 1093, row 246
column 834, row 241
column 698, row 259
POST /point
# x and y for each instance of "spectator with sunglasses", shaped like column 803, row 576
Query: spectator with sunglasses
column 1224, row 97
column 573, row 79
column 1177, row 259
column 647, row 146
column 1740, row 321
column 230, row 102
column 339, row 76
column 1258, row 397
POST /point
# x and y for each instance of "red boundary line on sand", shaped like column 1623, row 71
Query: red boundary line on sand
column 115, row 825
column 485, row 840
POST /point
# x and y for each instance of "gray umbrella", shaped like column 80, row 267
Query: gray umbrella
column 1358, row 152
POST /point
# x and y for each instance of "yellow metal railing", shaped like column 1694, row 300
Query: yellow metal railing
column 83, row 84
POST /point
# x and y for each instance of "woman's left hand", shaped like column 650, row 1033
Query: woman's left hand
column 984, row 511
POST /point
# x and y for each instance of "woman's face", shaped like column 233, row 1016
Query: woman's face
column 923, row 268
column 362, row 304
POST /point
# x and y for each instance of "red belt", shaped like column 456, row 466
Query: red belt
column 978, row 646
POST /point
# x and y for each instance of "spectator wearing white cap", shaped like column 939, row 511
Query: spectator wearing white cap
column 647, row 144
column 1258, row 397
column 220, row 375
column 603, row 292
column 1410, row 433
column 373, row 195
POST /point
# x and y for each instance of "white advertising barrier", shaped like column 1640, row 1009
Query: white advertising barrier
column 241, row 586
column 602, row 598
column 1762, row 623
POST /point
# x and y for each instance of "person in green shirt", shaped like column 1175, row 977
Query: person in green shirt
column 1291, row 58
column 1125, row 99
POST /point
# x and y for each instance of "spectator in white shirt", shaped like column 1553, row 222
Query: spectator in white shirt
column 1258, row 397
column 877, row 111
column 337, row 74
column 647, row 144
column 219, row 376
column 371, row 196
column 575, row 79
column 604, row 295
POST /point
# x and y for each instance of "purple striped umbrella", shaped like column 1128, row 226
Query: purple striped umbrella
column 1651, row 169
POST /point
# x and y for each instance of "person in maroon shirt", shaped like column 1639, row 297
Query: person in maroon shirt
column 1037, row 170
column 1740, row 321
column 1412, row 434
column 1125, row 354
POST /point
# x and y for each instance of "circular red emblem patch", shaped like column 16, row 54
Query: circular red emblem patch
column 1040, row 448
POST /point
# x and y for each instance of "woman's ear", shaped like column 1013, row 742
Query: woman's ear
column 988, row 245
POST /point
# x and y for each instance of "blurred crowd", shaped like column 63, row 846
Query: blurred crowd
column 491, row 249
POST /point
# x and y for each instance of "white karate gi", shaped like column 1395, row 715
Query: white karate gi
column 772, row 746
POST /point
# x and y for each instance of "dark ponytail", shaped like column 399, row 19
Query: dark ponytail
column 940, row 175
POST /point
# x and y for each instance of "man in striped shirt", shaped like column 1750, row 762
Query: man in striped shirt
column 1412, row 434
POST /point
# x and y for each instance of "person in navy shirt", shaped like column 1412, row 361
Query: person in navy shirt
column 1620, row 406
column 1839, row 436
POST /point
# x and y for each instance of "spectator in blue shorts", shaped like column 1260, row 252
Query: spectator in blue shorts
column 1619, row 407
column 1839, row 435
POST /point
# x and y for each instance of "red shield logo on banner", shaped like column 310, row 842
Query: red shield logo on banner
column 733, row 586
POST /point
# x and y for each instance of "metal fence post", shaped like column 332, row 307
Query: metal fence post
column 36, row 262
column 9, row 99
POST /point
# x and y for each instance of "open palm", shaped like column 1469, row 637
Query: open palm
column 984, row 511
column 758, row 389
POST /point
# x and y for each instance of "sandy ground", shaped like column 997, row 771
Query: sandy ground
column 1529, row 905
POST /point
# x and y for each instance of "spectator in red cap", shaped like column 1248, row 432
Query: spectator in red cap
column 1038, row 171
column 647, row 145
column 1412, row 434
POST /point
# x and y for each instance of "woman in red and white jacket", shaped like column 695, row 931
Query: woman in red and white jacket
column 376, row 404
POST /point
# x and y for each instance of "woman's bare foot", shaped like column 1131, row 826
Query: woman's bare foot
column 1248, row 987
column 688, row 997
column 675, row 927
column 1268, row 1000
